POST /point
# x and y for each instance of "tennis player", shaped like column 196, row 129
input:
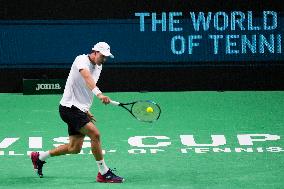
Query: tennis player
column 74, row 110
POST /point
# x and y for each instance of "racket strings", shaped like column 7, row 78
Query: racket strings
column 139, row 110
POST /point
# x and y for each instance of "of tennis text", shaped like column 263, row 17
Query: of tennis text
column 228, row 33
column 158, row 144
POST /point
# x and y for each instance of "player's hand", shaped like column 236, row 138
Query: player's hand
column 104, row 99
column 91, row 116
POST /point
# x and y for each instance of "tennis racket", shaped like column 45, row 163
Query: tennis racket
column 145, row 111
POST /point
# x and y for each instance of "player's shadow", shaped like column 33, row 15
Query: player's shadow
column 22, row 181
column 35, row 182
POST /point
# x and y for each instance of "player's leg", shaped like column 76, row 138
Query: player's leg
column 91, row 131
column 105, row 174
column 75, row 120
column 74, row 146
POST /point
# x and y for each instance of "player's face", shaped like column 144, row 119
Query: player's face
column 100, row 58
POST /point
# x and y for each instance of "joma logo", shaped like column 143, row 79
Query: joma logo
column 43, row 86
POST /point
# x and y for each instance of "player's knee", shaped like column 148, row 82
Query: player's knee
column 74, row 150
column 96, row 136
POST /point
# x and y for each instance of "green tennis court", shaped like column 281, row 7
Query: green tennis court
column 203, row 140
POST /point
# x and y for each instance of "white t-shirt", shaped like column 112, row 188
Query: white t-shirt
column 76, row 91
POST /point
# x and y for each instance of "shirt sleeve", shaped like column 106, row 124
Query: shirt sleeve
column 81, row 63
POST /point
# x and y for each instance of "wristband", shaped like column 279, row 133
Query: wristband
column 96, row 91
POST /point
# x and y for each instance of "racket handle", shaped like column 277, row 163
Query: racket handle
column 112, row 102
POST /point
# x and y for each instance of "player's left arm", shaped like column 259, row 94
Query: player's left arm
column 91, row 116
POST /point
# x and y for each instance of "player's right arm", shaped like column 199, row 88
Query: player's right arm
column 85, row 73
column 91, row 84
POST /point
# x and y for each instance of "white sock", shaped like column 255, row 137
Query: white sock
column 102, row 167
column 44, row 155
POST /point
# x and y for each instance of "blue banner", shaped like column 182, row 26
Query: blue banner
column 164, row 39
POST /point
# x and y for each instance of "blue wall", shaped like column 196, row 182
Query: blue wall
column 53, row 44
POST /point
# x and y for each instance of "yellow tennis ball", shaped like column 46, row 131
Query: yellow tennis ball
column 149, row 110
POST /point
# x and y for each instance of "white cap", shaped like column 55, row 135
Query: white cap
column 103, row 48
